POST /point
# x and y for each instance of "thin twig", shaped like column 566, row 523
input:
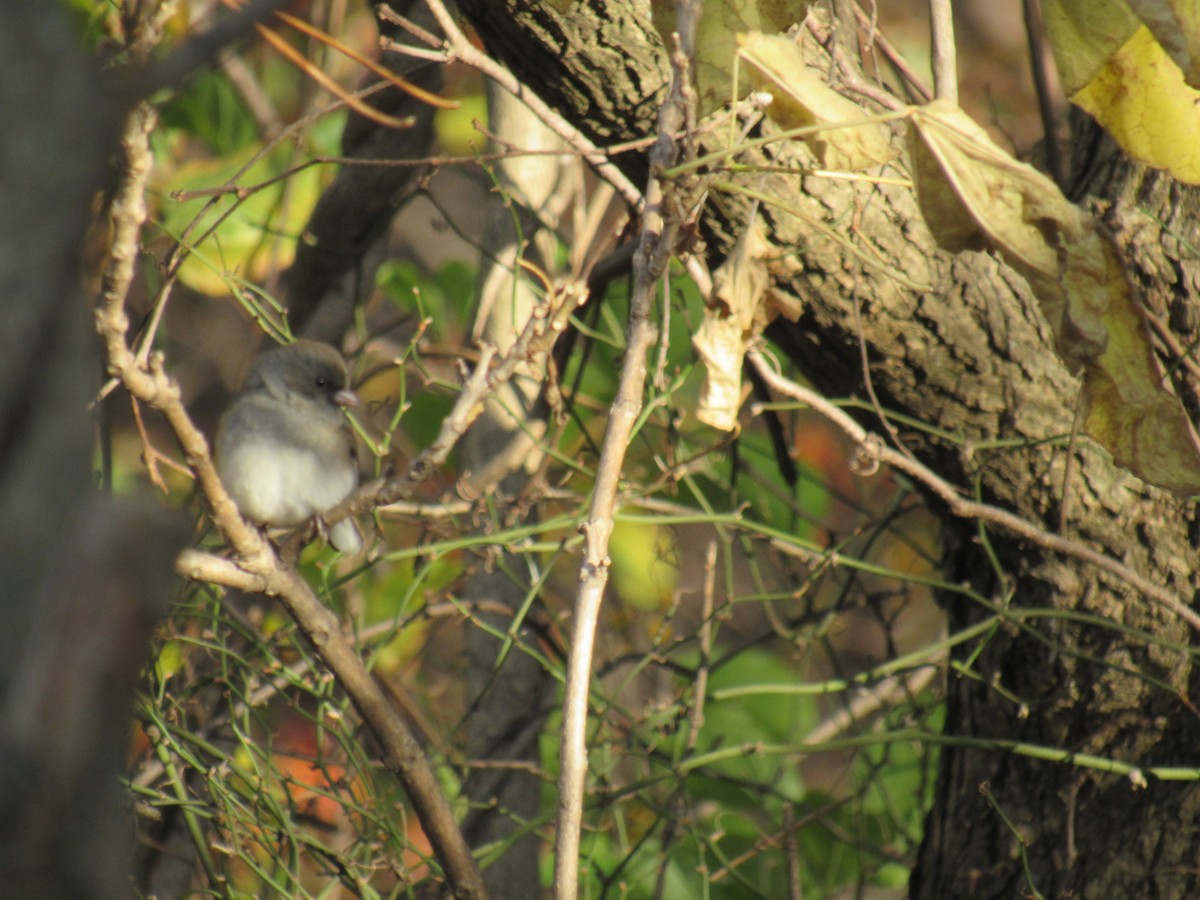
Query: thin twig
column 253, row 95
column 698, row 693
column 851, row 78
column 895, row 57
column 201, row 565
column 874, row 448
column 538, row 336
column 664, row 342
column 791, row 853
column 871, row 700
column 387, row 14
column 700, row 689
column 783, row 839
column 868, row 381
column 151, row 456
column 388, row 45
column 656, row 243
column 945, row 55
column 1035, row 33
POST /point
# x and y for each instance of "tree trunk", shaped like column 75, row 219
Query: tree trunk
column 82, row 575
column 1095, row 666
column 1089, row 690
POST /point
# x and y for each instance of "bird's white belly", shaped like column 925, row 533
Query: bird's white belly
column 284, row 486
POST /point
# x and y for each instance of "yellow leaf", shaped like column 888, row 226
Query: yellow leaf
column 721, row 345
column 1130, row 410
column 645, row 569
column 800, row 98
column 253, row 233
column 1141, row 99
column 1176, row 26
column 716, row 39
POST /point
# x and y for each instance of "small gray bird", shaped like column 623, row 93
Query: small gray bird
column 285, row 452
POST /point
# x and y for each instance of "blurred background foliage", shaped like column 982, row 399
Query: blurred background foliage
column 748, row 614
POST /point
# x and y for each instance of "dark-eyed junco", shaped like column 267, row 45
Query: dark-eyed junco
column 285, row 451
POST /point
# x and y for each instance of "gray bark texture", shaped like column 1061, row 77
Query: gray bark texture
column 972, row 357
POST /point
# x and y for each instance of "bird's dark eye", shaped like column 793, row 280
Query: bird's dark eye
column 322, row 382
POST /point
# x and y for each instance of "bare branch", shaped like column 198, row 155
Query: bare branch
column 656, row 242
column 876, row 452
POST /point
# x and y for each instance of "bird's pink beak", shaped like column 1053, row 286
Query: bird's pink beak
column 346, row 397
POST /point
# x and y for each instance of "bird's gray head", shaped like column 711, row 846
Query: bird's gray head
column 304, row 370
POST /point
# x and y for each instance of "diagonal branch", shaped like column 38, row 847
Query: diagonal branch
column 875, row 452
column 464, row 51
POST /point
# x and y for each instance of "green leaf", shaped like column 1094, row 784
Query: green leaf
column 644, row 570
column 211, row 109
column 255, row 231
column 445, row 296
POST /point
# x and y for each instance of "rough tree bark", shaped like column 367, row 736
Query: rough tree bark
column 972, row 357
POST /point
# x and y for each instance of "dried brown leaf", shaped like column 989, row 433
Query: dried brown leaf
column 739, row 314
